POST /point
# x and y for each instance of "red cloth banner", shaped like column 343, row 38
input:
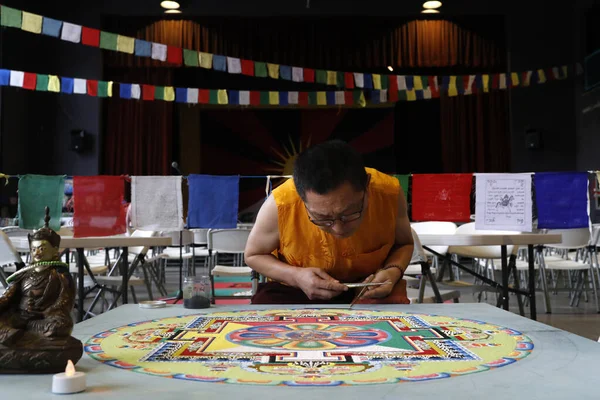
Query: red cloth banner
column 100, row 209
column 441, row 197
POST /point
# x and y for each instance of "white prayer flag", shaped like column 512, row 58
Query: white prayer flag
column 192, row 96
column 149, row 195
column 502, row 81
column 401, row 82
column 71, row 32
column 80, row 86
column 503, row 202
column 292, row 97
column 297, row 74
column 340, row 99
column 244, row 97
column 159, row 51
column 234, row 65
column 136, row 91
column 383, row 96
column 359, row 80
column 469, row 89
column 17, row 78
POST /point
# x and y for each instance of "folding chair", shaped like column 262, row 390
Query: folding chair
column 231, row 242
column 8, row 256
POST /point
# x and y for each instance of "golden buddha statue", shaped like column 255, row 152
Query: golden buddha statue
column 35, row 311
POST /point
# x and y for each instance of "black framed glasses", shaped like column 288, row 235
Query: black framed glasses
column 343, row 219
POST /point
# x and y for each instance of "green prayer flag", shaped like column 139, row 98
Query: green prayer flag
column 213, row 96
column 108, row 40
column 425, row 81
column 41, row 83
column 403, row 179
column 102, row 89
column 11, row 17
column 312, row 98
column 260, row 70
column 190, row 58
column 341, row 79
column 159, row 93
column 321, row 76
column 36, row 192
column 264, row 97
column 385, row 82
column 402, row 95
column 460, row 83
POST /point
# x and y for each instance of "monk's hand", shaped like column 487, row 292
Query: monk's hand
column 317, row 284
column 388, row 276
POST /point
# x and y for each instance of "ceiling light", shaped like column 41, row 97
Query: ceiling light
column 430, row 11
column 432, row 4
column 169, row 5
column 173, row 12
column 390, row 68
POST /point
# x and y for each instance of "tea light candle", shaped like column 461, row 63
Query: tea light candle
column 69, row 381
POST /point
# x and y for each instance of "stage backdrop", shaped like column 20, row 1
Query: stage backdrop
column 266, row 142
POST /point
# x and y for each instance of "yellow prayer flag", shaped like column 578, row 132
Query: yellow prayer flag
column 486, row 82
column 321, row 98
column 273, row 70
column 417, row 82
column 206, row 60
column 169, row 93
column 32, row 22
column 514, row 77
column 411, row 95
column 376, row 81
column 526, row 79
column 565, row 71
column 53, row 83
column 222, row 96
column 273, row 98
column 109, row 88
column 125, row 44
column 541, row 76
column 452, row 90
column 331, row 78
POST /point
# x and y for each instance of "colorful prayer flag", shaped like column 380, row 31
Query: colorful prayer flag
column 562, row 199
column 36, row 192
column 125, row 44
column 441, row 197
column 31, row 23
column 99, row 206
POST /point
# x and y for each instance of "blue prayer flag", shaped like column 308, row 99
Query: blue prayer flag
column 213, row 201
column 561, row 199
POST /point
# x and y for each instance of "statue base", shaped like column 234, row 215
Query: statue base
column 34, row 354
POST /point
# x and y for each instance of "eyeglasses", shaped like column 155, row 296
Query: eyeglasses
column 343, row 219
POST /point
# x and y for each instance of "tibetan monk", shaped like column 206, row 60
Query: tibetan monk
column 336, row 222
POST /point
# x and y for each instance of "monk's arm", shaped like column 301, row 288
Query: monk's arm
column 263, row 240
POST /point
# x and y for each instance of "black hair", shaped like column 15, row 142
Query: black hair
column 326, row 166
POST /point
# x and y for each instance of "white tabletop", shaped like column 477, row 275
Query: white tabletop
column 70, row 242
column 561, row 366
column 488, row 240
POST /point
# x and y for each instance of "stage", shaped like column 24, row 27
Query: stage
column 560, row 364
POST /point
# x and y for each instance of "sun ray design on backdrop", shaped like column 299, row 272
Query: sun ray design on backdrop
column 267, row 142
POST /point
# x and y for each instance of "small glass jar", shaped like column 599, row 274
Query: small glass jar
column 196, row 292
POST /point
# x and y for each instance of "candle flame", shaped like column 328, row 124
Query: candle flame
column 70, row 370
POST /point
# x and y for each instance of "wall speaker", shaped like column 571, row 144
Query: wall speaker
column 533, row 139
column 79, row 141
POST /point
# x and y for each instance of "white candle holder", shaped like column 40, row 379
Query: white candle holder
column 68, row 382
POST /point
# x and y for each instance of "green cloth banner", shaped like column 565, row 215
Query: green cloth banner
column 11, row 17
column 190, row 58
column 36, row 192
column 403, row 179
column 108, row 41
column 41, row 83
column 260, row 70
column 321, row 76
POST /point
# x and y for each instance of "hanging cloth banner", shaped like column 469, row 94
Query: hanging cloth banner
column 36, row 192
column 562, row 199
column 157, row 203
column 503, row 202
column 100, row 209
column 213, row 201
column 403, row 179
column 441, row 197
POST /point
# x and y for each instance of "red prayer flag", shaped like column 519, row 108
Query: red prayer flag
column 92, row 87
column 349, row 80
column 495, row 81
column 100, row 209
column 432, row 84
column 248, row 67
column 254, row 97
column 90, row 36
column 441, row 197
column 175, row 55
column 349, row 97
column 309, row 75
column 303, row 98
column 148, row 92
column 29, row 81
column 203, row 96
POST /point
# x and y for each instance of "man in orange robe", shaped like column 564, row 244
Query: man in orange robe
column 336, row 222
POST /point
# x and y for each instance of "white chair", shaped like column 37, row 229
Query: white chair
column 436, row 228
column 578, row 265
column 228, row 242
column 9, row 256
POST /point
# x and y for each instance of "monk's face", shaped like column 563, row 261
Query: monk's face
column 42, row 250
column 338, row 212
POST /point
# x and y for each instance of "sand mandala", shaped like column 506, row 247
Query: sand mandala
column 308, row 347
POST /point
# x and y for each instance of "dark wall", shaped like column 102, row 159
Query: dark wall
column 539, row 36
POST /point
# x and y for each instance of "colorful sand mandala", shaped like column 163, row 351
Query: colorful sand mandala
column 308, row 347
